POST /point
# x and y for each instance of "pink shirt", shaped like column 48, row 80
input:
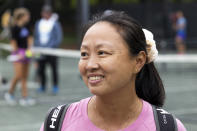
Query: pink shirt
column 77, row 119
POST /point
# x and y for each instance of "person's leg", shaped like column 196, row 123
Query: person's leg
column 54, row 65
column 42, row 75
column 25, row 99
column 36, row 74
column 17, row 76
column 180, row 45
column 9, row 96
column 25, row 70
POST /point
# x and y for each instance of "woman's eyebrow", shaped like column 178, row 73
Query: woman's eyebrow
column 84, row 47
column 103, row 44
column 98, row 45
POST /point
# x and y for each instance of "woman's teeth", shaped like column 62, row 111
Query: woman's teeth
column 95, row 78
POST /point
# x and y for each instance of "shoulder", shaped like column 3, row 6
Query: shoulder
column 149, row 120
column 77, row 107
column 37, row 23
column 180, row 125
column 147, row 116
column 57, row 23
column 76, row 110
column 76, row 115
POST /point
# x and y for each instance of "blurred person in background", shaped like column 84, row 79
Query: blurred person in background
column 117, row 66
column 5, row 23
column 48, row 34
column 21, row 41
column 180, row 28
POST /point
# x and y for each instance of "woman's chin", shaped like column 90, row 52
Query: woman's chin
column 98, row 90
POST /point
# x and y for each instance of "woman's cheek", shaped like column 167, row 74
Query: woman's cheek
column 108, row 64
column 82, row 70
column 81, row 66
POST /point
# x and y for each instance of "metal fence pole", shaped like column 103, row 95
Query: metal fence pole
column 82, row 17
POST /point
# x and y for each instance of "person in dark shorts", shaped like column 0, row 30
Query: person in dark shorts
column 20, row 42
column 48, row 34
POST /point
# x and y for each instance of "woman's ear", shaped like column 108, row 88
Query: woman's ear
column 140, row 61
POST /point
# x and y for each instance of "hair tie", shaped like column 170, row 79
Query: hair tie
column 151, row 46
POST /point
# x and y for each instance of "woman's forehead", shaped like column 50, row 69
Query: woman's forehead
column 103, row 34
column 100, row 27
column 102, row 31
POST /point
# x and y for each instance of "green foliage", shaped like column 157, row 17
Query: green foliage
column 73, row 3
column 93, row 2
column 69, row 38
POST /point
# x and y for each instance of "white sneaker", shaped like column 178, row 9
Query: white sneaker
column 10, row 99
column 27, row 102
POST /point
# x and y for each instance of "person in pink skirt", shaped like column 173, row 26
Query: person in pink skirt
column 20, row 42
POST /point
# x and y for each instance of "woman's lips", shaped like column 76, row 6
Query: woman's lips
column 95, row 79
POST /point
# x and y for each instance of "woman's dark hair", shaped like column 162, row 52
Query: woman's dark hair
column 148, row 84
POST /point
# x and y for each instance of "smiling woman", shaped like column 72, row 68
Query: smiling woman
column 117, row 66
column 102, row 56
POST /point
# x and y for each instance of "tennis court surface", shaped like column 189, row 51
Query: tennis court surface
column 180, row 80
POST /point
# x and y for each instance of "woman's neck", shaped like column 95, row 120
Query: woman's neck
column 117, row 104
column 122, row 107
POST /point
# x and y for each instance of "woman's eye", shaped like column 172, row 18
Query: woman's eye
column 101, row 53
column 83, row 54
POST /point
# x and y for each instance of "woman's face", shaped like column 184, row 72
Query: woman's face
column 106, row 65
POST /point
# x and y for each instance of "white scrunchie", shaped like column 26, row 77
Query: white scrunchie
column 151, row 46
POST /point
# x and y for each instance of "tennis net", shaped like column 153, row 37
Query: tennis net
column 163, row 58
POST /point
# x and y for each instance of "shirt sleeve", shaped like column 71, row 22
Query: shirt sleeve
column 180, row 125
column 36, row 35
column 58, row 36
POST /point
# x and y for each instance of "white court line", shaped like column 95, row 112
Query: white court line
column 19, row 127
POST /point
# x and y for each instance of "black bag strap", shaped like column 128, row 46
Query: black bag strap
column 164, row 121
column 55, row 118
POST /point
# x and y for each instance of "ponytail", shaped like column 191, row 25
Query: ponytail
column 149, row 86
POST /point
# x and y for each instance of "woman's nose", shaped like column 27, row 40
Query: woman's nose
column 92, row 63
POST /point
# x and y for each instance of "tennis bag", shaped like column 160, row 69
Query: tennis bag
column 164, row 121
